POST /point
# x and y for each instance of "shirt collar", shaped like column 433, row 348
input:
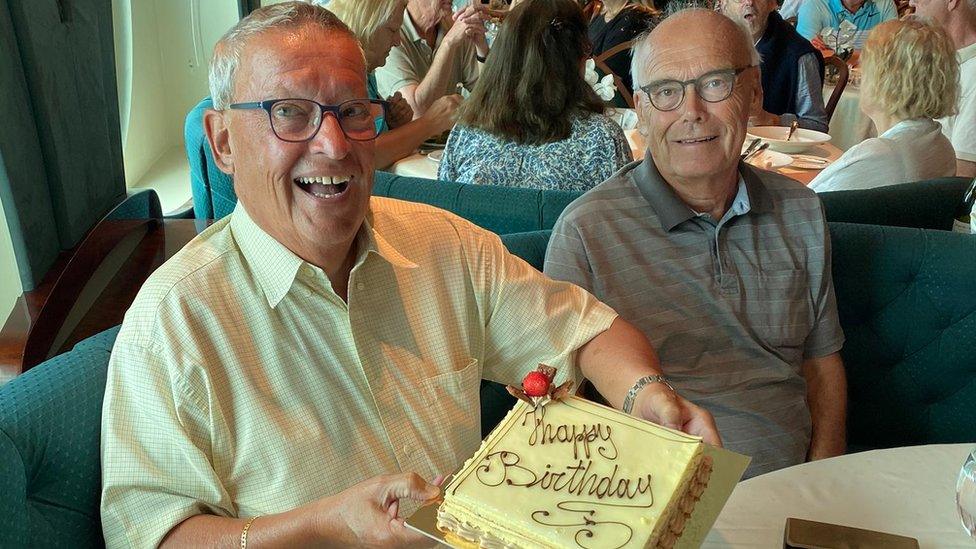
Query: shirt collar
column 371, row 241
column 413, row 35
column 275, row 266
column 751, row 195
column 867, row 9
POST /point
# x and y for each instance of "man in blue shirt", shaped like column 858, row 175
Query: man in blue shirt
column 816, row 15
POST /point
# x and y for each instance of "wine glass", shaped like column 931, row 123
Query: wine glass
column 966, row 494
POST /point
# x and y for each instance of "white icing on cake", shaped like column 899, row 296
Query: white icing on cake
column 576, row 474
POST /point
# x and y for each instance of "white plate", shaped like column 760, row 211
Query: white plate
column 801, row 141
column 810, row 162
column 435, row 156
column 771, row 160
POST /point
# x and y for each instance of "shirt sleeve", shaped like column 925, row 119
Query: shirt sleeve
column 397, row 73
column 859, row 167
column 810, row 110
column 155, row 449
column 827, row 336
column 566, row 257
column 531, row 318
column 963, row 136
column 810, row 18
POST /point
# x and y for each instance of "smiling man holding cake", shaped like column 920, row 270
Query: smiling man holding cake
column 292, row 375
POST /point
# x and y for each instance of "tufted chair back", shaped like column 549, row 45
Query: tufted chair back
column 907, row 302
column 50, row 477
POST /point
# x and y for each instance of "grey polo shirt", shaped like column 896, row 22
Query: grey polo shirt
column 409, row 62
column 732, row 307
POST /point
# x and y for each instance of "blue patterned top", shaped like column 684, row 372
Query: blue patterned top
column 595, row 149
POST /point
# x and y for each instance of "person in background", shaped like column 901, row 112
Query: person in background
column 958, row 19
column 909, row 77
column 376, row 24
column 437, row 52
column 817, row 15
column 532, row 120
column 726, row 268
column 615, row 22
column 792, row 69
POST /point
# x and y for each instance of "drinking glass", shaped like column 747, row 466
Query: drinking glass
column 966, row 494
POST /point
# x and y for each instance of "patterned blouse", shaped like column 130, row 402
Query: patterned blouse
column 595, row 149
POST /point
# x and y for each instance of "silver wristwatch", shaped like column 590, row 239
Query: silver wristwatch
column 641, row 383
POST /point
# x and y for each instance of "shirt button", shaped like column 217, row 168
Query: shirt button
column 360, row 286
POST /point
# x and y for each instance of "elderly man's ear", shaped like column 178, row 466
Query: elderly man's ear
column 219, row 139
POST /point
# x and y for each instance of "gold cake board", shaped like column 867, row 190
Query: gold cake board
column 727, row 469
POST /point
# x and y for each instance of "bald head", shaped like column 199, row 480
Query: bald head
column 707, row 32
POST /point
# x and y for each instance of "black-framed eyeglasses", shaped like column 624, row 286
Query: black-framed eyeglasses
column 713, row 87
column 297, row 120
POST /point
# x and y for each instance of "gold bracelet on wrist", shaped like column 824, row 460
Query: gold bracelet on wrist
column 244, row 532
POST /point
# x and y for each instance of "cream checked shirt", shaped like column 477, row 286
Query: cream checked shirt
column 242, row 385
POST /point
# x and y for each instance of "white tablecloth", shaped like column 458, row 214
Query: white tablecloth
column 849, row 126
column 418, row 165
column 905, row 491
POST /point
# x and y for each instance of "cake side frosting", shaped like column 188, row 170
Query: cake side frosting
column 575, row 474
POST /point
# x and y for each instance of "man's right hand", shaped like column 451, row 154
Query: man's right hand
column 469, row 24
column 365, row 515
column 441, row 113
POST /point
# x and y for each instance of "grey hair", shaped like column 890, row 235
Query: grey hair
column 642, row 45
column 286, row 15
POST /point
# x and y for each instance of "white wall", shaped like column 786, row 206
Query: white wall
column 10, row 287
column 163, row 49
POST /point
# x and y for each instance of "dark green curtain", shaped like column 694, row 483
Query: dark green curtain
column 60, row 143
column 245, row 7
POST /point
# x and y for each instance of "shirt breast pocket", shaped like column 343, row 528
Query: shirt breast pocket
column 454, row 404
column 780, row 308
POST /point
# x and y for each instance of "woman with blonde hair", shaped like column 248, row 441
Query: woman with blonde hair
column 376, row 23
column 909, row 76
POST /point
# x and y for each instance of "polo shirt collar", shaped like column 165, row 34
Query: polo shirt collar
column 413, row 35
column 672, row 211
column 837, row 8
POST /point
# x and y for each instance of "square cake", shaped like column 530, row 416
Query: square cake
column 574, row 473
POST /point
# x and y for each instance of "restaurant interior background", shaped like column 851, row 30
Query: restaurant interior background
column 162, row 49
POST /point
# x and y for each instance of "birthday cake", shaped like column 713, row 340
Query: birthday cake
column 572, row 473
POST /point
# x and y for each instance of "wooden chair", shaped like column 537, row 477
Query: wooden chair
column 600, row 62
column 843, row 73
column 591, row 9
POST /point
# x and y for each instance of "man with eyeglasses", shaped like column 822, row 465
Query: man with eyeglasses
column 792, row 69
column 725, row 268
column 302, row 372
column 816, row 15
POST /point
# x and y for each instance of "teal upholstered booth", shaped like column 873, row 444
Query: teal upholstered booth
column 925, row 204
column 907, row 303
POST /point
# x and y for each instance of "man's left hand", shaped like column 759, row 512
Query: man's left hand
column 399, row 112
column 659, row 404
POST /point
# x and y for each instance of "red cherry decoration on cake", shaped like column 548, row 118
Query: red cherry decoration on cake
column 535, row 384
